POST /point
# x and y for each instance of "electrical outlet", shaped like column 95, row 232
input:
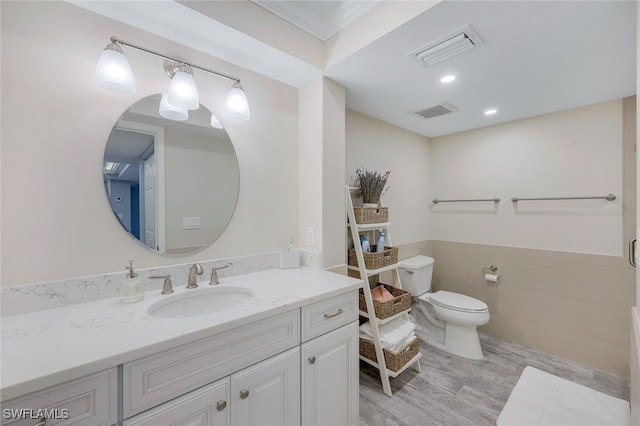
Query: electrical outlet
column 311, row 236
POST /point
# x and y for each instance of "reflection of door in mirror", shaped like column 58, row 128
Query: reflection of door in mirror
column 149, row 210
column 178, row 179
column 133, row 182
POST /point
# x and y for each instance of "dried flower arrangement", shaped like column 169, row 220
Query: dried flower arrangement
column 371, row 184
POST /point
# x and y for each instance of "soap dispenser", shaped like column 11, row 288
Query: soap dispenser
column 132, row 288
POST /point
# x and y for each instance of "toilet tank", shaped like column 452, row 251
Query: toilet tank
column 415, row 274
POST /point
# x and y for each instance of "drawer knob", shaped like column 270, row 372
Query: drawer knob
column 244, row 394
column 334, row 315
column 221, row 405
column 312, row 359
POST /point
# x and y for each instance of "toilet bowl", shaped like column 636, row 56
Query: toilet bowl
column 444, row 319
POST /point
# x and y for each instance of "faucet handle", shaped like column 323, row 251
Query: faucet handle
column 214, row 280
column 167, row 287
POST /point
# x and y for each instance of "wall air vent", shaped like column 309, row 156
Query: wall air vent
column 450, row 45
column 436, row 111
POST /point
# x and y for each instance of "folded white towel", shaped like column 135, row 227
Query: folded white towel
column 392, row 334
column 395, row 348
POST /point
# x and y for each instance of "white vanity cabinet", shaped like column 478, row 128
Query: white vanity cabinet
column 207, row 406
column 268, row 393
column 330, row 362
column 158, row 378
column 330, row 386
column 88, row 401
column 287, row 368
column 312, row 384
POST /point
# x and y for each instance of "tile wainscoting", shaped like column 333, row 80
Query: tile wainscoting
column 574, row 305
column 26, row 298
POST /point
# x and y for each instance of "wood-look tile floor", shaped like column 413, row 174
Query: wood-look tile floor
column 454, row 391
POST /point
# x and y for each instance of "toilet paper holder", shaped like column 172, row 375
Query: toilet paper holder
column 490, row 274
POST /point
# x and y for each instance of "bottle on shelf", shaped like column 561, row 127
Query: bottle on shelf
column 381, row 242
column 366, row 248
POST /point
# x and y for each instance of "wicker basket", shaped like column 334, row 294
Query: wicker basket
column 374, row 260
column 394, row 361
column 401, row 302
column 371, row 214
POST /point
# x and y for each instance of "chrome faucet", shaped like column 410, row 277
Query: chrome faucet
column 214, row 280
column 196, row 269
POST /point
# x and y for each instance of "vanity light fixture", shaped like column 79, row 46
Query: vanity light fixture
column 236, row 106
column 113, row 74
column 182, row 92
column 167, row 110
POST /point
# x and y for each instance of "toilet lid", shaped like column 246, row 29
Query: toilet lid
column 457, row 302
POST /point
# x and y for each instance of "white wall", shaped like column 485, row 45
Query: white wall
column 571, row 153
column 56, row 221
column 376, row 145
column 199, row 170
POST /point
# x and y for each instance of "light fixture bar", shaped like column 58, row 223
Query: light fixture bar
column 153, row 52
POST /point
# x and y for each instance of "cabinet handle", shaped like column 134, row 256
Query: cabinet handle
column 43, row 422
column 333, row 315
column 312, row 359
column 244, row 394
column 221, row 405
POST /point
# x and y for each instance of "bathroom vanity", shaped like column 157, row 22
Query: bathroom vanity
column 286, row 356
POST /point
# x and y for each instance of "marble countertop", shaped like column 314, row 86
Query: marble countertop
column 45, row 348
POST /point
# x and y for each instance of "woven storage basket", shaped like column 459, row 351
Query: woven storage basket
column 371, row 214
column 394, row 361
column 374, row 260
column 401, row 302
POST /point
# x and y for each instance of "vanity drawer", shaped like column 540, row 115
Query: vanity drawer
column 91, row 401
column 155, row 379
column 322, row 317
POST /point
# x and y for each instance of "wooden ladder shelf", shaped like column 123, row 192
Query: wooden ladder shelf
column 356, row 230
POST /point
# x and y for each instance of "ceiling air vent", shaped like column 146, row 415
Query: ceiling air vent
column 457, row 42
column 435, row 111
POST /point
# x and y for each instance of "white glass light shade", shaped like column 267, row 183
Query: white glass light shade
column 236, row 106
column 215, row 122
column 172, row 112
column 183, row 92
column 113, row 73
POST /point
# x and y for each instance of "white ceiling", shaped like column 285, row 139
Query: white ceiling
column 321, row 19
column 537, row 57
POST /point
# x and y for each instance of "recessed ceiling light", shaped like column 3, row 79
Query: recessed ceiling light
column 447, row 78
column 490, row 111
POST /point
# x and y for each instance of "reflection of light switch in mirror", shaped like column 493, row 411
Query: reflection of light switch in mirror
column 191, row 222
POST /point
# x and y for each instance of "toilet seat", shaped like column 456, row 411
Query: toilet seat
column 455, row 302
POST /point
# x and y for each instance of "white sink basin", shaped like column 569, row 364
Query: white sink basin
column 200, row 301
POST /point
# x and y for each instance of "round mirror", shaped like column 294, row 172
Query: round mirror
column 172, row 185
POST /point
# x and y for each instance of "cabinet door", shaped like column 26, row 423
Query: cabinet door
column 207, row 406
column 268, row 393
column 330, row 378
column 88, row 401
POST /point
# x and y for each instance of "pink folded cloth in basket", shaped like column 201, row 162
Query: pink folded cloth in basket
column 381, row 294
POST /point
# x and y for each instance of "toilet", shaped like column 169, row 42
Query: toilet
column 443, row 319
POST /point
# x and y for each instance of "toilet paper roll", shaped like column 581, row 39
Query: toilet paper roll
column 492, row 278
